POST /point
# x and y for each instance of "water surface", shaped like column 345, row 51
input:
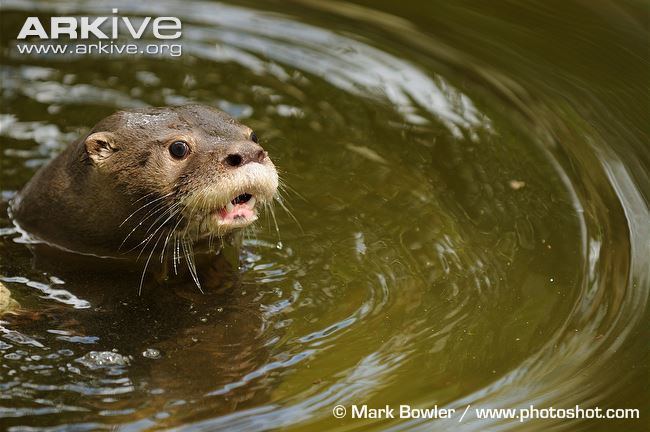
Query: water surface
column 468, row 220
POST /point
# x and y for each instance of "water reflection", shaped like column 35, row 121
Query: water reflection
column 467, row 237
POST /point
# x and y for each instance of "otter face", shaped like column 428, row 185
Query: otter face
column 193, row 169
column 241, row 176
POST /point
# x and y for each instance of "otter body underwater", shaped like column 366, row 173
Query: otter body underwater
column 149, row 181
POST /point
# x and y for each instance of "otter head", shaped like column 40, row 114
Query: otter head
column 191, row 171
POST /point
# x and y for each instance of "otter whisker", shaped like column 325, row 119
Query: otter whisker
column 145, row 205
column 173, row 213
column 266, row 215
column 191, row 265
column 279, row 201
column 283, row 187
column 250, row 233
column 192, row 210
column 171, row 232
column 162, row 254
column 183, row 216
column 161, row 226
column 172, row 209
column 146, row 196
column 143, row 243
column 174, row 254
column 275, row 222
column 146, row 265
column 151, row 213
column 177, row 255
column 203, row 206
column 210, row 241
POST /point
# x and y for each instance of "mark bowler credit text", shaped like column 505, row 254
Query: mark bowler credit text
column 521, row 414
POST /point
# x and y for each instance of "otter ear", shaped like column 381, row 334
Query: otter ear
column 100, row 146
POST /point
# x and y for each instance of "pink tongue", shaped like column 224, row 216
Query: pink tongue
column 240, row 210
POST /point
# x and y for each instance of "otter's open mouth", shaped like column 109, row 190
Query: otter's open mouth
column 238, row 212
column 228, row 202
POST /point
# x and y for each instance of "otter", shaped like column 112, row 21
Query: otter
column 153, row 180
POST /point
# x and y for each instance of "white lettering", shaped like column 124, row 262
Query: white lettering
column 32, row 27
column 87, row 28
column 175, row 25
column 136, row 34
column 63, row 25
column 372, row 413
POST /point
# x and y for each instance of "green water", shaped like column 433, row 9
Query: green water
column 468, row 220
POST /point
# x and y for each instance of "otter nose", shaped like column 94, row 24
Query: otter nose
column 242, row 156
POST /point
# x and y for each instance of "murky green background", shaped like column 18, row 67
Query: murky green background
column 469, row 182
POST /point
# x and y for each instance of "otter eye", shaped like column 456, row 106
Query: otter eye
column 253, row 137
column 179, row 149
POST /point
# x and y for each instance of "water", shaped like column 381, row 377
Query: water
column 470, row 190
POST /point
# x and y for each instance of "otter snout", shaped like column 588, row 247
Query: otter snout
column 222, row 198
column 242, row 153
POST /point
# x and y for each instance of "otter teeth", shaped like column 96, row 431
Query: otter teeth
column 244, row 199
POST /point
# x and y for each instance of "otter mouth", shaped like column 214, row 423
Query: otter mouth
column 239, row 211
column 229, row 202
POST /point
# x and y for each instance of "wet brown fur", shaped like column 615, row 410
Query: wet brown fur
column 80, row 200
